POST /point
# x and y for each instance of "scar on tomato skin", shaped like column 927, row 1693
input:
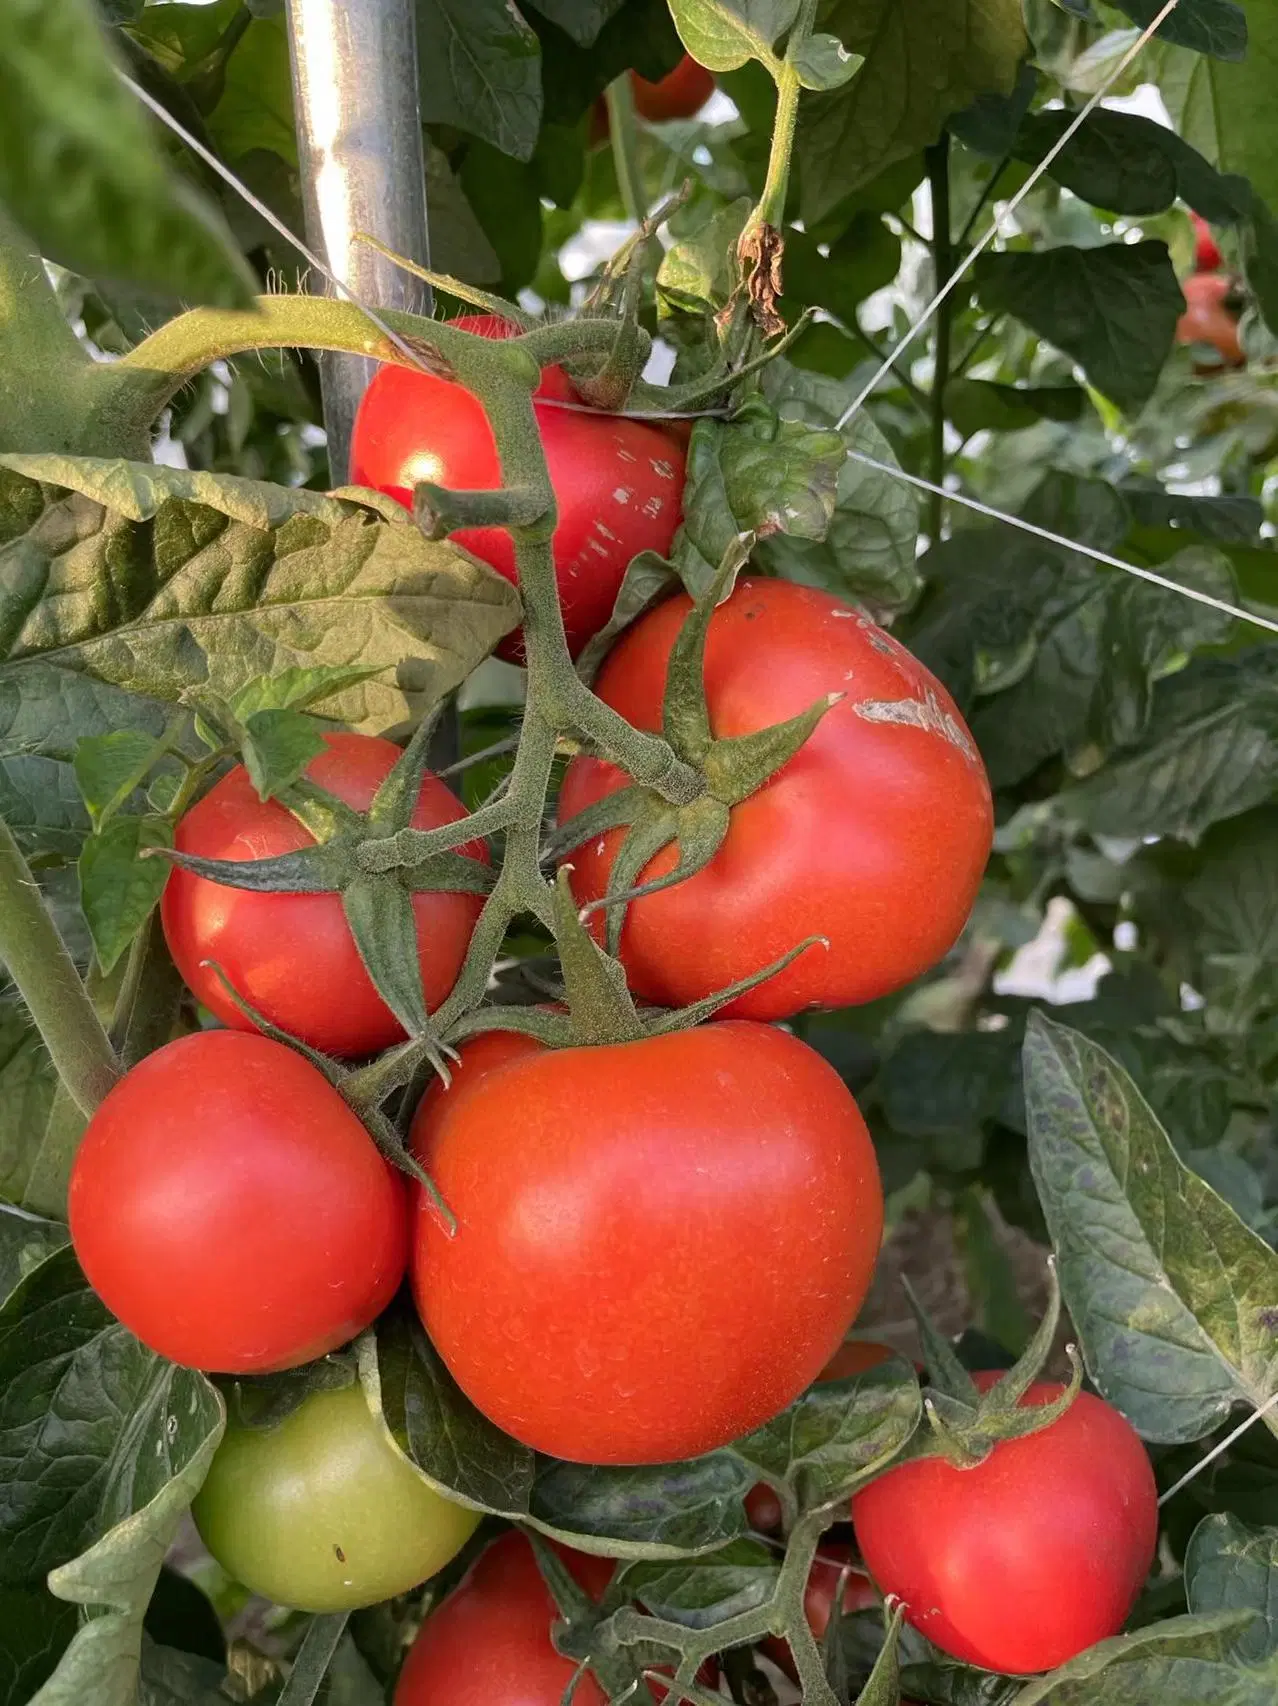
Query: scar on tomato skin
column 339, row 1554
column 621, row 495
column 927, row 713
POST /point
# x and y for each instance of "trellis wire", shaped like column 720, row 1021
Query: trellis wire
column 1023, row 526
column 1229, row 1439
column 972, row 255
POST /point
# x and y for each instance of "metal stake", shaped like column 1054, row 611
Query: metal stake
column 359, row 137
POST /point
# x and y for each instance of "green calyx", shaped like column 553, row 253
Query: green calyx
column 378, row 906
column 964, row 1423
column 733, row 768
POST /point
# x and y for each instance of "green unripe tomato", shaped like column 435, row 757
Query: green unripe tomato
column 321, row 1513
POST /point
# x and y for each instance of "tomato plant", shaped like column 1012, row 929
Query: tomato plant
column 1026, row 1559
column 873, row 836
column 855, row 914
column 320, row 1512
column 617, row 482
column 184, row 1178
column 286, row 954
column 560, row 1236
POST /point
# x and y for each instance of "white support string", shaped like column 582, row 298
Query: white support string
column 970, row 258
column 1060, row 539
column 245, row 193
column 1193, row 1474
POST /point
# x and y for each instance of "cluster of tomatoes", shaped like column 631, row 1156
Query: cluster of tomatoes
column 658, row 1244
column 1212, row 302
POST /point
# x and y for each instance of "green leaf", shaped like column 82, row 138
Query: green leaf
column 218, row 580
column 865, row 258
column 580, row 19
column 1131, row 165
column 700, row 267
column 480, row 72
column 923, row 62
column 1230, row 1567
column 1171, row 1294
column 700, row 1592
column 80, row 173
column 109, row 767
column 869, row 547
column 296, row 689
column 170, row 1677
column 28, row 1083
column 379, row 911
column 1216, row 27
column 26, row 1240
column 647, row 579
column 838, row 1433
column 1211, row 752
column 458, row 245
column 35, row 1629
column 980, row 405
column 725, row 34
column 277, row 747
column 1225, row 110
column 118, row 889
column 658, row 1510
column 822, row 62
column 1180, row 1662
column 1113, row 309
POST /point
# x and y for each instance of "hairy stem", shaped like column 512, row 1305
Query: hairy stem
column 771, row 208
column 938, row 171
column 620, row 97
column 49, row 983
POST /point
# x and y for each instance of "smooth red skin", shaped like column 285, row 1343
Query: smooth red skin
column 489, row 1642
column 874, row 835
column 680, row 94
column 232, row 1211
column 597, row 1301
column 829, row 1568
column 618, row 483
column 1207, row 320
column 854, row 1356
column 1207, row 255
column 292, row 956
column 1024, row 1561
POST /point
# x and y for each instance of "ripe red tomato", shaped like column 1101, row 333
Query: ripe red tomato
column 874, row 835
column 618, row 483
column 854, row 1356
column 680, row 94
column 1029, row 1558
column 292, row 956
column 489, row 1643
column 1207, row 318
column 228, row 1206
column 829, row 1568
column 1207, row 255
column 603, row 1194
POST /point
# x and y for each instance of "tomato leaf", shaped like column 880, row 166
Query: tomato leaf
column 1178, row 1662
column 28, row 1084
column 26, row 1240
column 838, row 1433
column 700, row 1592
column 1171, row 1294
column 1230, row 1567
column 82, row 175
column 299, row 688
column 581, row 19
column 96, row 1499
column 1113, row 309
column 658, row 1510
column 922, row 63
column 481, row 72
column 109, row 767
column 118, row 889
column 724, row 34
column 980, row 405
column 277, row 747
column 1216, row 27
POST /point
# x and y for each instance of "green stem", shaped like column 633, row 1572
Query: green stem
column 620, row 97
column 938, row 171
column 965, row 360
column 991, row 183
column 894, row 375
column 771, row 208
column 44, row 370
column 49, row 983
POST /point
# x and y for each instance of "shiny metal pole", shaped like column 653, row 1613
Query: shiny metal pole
column 359, row 139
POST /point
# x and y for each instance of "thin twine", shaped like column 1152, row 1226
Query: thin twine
column 1192, row 1475
column 972, row 255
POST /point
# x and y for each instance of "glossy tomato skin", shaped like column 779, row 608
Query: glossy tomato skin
column 1024, row 1561
column 1208, row 319
column 321, row 1513
column 874, row 835
column 1207, row 255
column 618, row 483
column 680, row 94
column 292, row 956
column 854, row 1356
column 720, row 1179
column 228, row 1206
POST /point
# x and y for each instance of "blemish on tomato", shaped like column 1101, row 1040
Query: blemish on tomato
column 621, row 495
column 926, row 713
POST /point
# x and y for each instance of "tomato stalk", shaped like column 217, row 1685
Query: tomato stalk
column 938, row 170
column 620, row 96
column 39, row 964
